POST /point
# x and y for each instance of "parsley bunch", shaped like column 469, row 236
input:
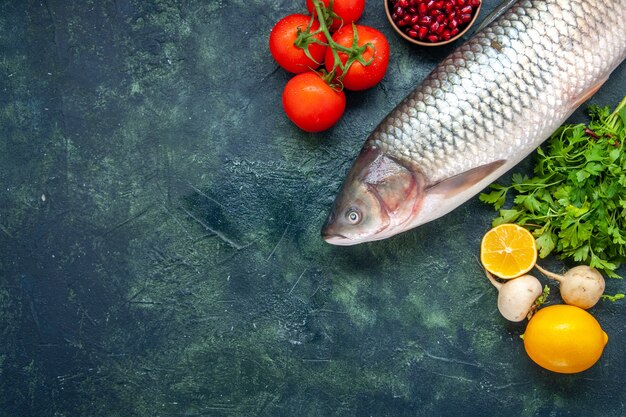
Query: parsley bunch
column 575, row 204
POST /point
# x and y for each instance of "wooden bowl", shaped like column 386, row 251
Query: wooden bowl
column 422, row 43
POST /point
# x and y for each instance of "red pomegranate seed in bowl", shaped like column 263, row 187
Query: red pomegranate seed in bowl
column 466, row 18
column 432, row 22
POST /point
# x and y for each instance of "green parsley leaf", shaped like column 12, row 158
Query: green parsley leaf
column 546, row 243
column 497, row 197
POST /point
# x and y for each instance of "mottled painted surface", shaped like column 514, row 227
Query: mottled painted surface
column 159, row 237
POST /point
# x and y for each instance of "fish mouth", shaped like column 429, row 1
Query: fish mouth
column 336, row 239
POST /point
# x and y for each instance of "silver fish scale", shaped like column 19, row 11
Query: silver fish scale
column 503, row 92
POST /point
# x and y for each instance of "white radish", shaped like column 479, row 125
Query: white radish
column 581, row 286
column 517, row 296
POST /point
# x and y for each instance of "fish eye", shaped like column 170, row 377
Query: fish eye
column 353, row 216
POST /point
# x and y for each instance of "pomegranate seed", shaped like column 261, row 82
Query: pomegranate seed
column 453, row 23
column 438, row 5
column 404, row 21
column 436, row 13
column 445, row 35
column 425, row 20
column 412, row 33
column 399, row 11
column 414, row 19
column 465, row 18
column 441, row 18
column 466, row 10
column 403, row 3
column 448, row 6
column 475, row 3
column 434, row 27
column 433, row 38
column 430, row 5
column 461, row 3
column 454, row 32
column 412, row 10
column 422, row 32
column 422, row 9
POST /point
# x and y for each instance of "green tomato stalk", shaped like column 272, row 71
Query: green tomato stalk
column 354, row 52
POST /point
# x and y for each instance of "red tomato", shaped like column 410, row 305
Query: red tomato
column 311, row 103
column 348, row 11
column 361, row 77
column 288, row 55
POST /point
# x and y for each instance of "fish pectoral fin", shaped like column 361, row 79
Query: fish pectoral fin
column 462, row 182
column 590, row 92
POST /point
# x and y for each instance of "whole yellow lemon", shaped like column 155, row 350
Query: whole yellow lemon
column 564, row 338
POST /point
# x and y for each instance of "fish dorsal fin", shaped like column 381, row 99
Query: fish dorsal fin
column 462, row 182
column 496, row 13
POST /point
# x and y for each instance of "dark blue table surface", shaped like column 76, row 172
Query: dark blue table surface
column 159, row 237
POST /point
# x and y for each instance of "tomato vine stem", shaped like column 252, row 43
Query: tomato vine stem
column 354, row 52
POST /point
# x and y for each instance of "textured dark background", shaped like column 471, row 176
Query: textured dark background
column 159, row 237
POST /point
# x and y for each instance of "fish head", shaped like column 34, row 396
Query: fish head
column 379, row 196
